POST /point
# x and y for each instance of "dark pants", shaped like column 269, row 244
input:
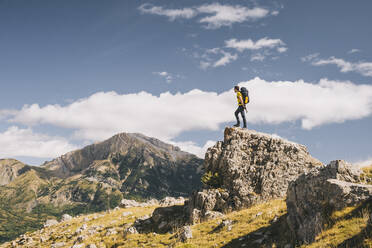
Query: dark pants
column 240, row 110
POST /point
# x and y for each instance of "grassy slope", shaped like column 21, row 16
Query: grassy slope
column 347, row 228
column 18, row 213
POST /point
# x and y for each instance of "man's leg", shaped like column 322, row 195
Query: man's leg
column 243, row 117
column 237, row 118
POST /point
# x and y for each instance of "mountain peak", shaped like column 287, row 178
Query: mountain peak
column 9, row 170
column 122, row 143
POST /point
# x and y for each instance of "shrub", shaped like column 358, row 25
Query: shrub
column 211, row 179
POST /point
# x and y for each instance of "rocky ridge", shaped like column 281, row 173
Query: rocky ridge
column 313, row 197
column 9, row 170
column 246, row 168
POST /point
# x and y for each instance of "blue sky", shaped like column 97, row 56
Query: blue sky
column 75, row 72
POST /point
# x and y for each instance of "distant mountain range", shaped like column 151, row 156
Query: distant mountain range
column 91, row 179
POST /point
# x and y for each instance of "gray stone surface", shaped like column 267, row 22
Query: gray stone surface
column 315, row 195
column 249, row 168
column 185, row 233
column 66, row 217
column 50, row 222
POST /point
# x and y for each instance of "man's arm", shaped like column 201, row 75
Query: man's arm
column 241, row 100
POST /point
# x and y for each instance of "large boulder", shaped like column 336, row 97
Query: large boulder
column 246, row 168
column 163, row 219
column 315, row 195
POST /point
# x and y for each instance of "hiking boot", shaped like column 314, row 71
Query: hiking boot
column 237, row 125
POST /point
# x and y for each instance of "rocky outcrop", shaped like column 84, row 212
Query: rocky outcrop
column 246, row 168
column 315, row 195
column 9, row 170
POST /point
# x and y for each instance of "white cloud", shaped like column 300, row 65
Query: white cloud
column 172, row 14
column 257, row 57
column 204, row 64
column 193, row 148
column 165, row 116
column 216, row 57
column 251, row 45
column 209, row 59
column 226, row 15
column 309, row 57
column 275, row 12
column 282, row 49
column 215, row 15
column 363, row 163
column 354, row 50
column 363, row 68
column 225, row 59
column 24, row 142
column 166, row 75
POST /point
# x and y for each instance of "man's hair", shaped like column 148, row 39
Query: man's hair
column 236, row 87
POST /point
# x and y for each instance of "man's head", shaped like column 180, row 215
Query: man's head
column 236, row 88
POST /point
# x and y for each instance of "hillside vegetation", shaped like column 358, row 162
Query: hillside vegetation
column 92, row 179
column 262, row 225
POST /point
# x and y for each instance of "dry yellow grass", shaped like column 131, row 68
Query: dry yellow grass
column 366, row 176
column 344, row 225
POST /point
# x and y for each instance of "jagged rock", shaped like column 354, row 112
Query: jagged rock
column 248, row 167
column 315, row 195
column 77, row 246
column 91, row 246
column 130, row 230
column 210, row 215
column 185, row 233
column 165, row 219
column 125, row 203
column 50, row 222
column 66, row 217
column 58, row 245
column 170, row 201
column 10, row 169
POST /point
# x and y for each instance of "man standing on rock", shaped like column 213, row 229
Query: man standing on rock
column 243, row 98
